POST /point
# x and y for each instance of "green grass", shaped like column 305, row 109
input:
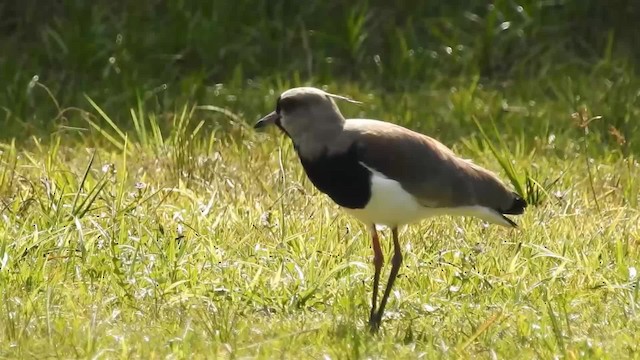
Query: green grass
column 207, row 239
column 142, row 217
column 168, row 53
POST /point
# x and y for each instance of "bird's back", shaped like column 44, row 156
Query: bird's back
column 427, row 169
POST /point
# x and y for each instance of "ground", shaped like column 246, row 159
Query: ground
column 206, row 238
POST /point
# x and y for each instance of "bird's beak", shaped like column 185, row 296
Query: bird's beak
column 269, row 119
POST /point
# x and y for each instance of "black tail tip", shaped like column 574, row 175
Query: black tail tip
column 517, row 207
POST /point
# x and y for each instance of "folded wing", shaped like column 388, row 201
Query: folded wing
column 437, row 177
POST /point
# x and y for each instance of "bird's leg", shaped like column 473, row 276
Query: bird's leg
column 378, row 259
column 396, row 261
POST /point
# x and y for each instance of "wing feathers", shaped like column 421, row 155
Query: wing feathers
column 428, row 169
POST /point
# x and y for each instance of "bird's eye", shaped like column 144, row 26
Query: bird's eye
column 287, row 104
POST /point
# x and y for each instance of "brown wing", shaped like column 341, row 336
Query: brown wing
column 427, row 169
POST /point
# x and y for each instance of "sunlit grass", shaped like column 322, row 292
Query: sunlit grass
column 142, row 217
column 185, row 239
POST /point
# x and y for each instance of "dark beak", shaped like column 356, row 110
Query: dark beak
column 269, row 119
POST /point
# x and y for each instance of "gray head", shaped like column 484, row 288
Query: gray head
column 307, row 115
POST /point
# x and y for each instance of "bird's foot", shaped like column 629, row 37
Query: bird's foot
column 374, row 324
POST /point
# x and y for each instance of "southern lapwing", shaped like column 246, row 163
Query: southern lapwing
column 385, row 174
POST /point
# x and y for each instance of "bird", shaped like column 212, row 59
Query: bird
column 384, row 174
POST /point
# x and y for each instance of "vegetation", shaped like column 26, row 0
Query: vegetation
column 143, row 217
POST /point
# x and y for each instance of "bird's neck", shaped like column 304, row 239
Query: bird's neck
column 316, row 136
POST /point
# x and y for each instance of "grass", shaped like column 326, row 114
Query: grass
column 204, row 237
column 142, row 217
column 166, row 54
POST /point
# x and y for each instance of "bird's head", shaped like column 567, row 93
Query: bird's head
column 304, row 111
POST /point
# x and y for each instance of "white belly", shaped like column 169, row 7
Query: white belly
column 391, row 205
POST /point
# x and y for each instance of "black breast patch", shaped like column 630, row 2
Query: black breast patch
column 342, row 177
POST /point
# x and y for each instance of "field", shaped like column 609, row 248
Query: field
column 143, row 217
